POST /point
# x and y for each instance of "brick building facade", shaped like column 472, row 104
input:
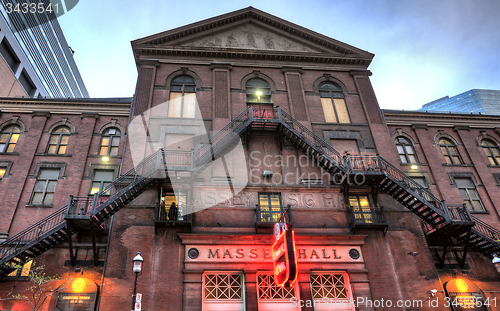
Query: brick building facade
column 239, row 121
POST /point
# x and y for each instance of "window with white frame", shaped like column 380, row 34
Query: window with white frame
column 274, row 297
column 223, row 290
column 405, row 150
column 110, row 141
column 331, row 291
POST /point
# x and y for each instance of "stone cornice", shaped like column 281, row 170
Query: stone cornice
column 242, row 239
column 159, row 52
column 407, row 118
column 58, row 106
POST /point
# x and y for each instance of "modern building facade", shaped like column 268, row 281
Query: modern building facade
column 36, row 59
column 239, row 122
column 472, row 101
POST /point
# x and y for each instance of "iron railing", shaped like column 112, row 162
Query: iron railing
column 410, row 184
column 363, row 163
column 487, row 231
column 371, row 216
column 177, row 158
column 264, row 112
column 166, row 213
column 460, row 213
column 34, row 232
column 81, row 206
column 311, row 138
column 123, row 183
column 220, row 138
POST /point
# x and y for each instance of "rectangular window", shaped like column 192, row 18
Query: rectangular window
column 469, row 193
column 270, row 207
column 9, row 55
column 45, row 186
column 331, row 289
column 223, row 291
column 3, row 170
column 274, row 297
column 101, row 179
column 335, row 110
column 361, row 207
column 23, row 271
column 182, row 105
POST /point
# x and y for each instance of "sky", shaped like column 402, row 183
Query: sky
column 424, row 49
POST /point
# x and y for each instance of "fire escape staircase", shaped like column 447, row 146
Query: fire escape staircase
column 82, row 213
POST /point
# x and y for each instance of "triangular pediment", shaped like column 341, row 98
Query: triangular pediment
column 246, row 33
column 253, row 37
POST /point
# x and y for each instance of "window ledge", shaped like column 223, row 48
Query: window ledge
column 489, row 165
column 39, row 205
column 102, row 156
column 335, row 123
column 11, row 153
column 410, row 164
column 459, row 165
column 53, row 155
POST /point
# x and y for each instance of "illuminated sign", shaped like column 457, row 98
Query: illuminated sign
column 283, row 255
column 465, row 295
column 74, row 301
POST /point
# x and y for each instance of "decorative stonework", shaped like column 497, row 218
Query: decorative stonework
column 249, row 36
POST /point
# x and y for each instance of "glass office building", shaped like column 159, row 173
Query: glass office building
column 34, row 51
column 473, row 101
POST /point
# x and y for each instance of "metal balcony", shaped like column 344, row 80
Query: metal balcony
column 368, row 218
column 166, row 216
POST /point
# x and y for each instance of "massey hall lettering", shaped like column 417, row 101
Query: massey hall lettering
column 254, row 253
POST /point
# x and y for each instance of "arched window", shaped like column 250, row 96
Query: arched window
column 9, row 137
column 110, row 141
column 332, row 100
column 405, row 150
column 59, row 140
column 449, row 151
column 492, row 151
column 182, row 102
column 258, row 91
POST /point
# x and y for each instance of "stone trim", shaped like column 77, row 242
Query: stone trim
column 216, row 65
column 291, row 69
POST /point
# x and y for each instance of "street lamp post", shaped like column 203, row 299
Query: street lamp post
column 137, row 270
